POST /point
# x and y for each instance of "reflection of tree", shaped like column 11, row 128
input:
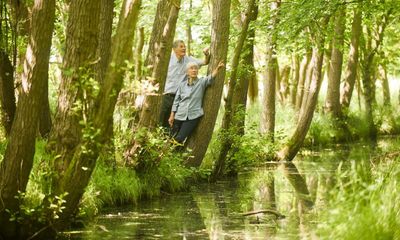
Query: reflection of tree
column 299, row 184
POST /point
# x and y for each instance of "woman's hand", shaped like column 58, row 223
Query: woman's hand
column 171, row 119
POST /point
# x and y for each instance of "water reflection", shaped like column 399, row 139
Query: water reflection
column 238, row 209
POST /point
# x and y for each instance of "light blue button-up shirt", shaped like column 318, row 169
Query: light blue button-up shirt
column 177, row 72
column 188, row 102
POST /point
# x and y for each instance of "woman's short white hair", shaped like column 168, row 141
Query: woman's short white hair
column 192, row 64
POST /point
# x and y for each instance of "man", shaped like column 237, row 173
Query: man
column 176, row 74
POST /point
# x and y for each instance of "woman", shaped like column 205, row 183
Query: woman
column 187, row 107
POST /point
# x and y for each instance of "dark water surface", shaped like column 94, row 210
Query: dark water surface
column 297, row 190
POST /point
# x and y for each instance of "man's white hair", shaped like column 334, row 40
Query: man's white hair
column 192, row 64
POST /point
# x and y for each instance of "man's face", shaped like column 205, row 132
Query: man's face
column 193, row 71
column 180, row 50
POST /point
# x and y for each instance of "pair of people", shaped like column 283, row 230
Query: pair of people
column 181, row 107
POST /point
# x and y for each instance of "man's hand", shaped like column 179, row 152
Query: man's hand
column 171, row 119
column 206, row 51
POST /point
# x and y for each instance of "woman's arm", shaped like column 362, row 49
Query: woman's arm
column 216, row 70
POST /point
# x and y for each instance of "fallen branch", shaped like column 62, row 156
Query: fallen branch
column 268, row 211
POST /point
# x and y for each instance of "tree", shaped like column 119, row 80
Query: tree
column 232, row 109
column 350, row 74
column 83, row 160
column 200, row 139
column 18, row 158
column 332, row 102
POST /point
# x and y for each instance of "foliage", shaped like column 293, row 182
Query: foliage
column 365, row 203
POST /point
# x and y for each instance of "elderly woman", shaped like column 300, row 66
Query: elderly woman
column 187, row 107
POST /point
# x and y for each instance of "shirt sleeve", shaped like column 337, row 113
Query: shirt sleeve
column 208, row 80
column 199, row 62
column 177, row 99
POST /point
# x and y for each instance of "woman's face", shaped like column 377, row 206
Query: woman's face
column 193, row 71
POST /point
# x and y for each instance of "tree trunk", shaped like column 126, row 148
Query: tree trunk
column 268, row 114
column 385, row 85
column 284, row 84
column 351, row 68
column 302, row 78
column 76, row 88
column 189, row 37
column 290, row 149
column 83, row 162
column 295, row 79
column 227, row 130
column 150, row 112
column 7, row 96
column 332, row 102
column 138, row 54
column 18, row 158
column 212, row 98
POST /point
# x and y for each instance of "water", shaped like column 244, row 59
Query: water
column 297, row 190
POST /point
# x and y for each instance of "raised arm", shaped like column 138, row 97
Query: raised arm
column 216, row 70
column 207, row 55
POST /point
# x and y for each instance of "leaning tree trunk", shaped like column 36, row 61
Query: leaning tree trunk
column 268, row 114
column 226, row 131
column 78, row 173
column 152, row 102
column 351, row 68
column 332, row 102
column 290, row 149
column 200, row 139
column 294, row 78
column 76, row 88
column 18, row 158
column 367, row 68
column 302, row 79
column 7, row 96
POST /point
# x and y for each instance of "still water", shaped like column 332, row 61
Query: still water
column 274, row 201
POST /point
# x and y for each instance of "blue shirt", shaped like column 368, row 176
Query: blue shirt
column 177, row 71
column 188, row 102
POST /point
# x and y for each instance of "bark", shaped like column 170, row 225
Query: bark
column 268, row 114
column 138, row 54
column 227, row 131
column 284, row 84
column 290, row 149
column 83, row 162
column 295, row 79
column 302, row 78
column 212, row 99
column 162, row 13
column 103, row 60
column 76, row 90
column 332, row 102
column 189, row 37
column 105, row 31
column 18, row 158
column 367, row 68
column 385, row 85
column 351, row 68
column 7, row 96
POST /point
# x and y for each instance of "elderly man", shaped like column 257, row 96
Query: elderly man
column 176, row 74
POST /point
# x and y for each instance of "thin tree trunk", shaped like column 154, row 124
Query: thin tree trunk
column 332, row 102
column 212, row 99
column 303, row 75
column 284, row 90
column 138, row 54
column 290, row 149
column 83, row 162
column 7, row 96
column 295, row 79
column 268, row 114
column 230, row 108
column 18, row 160
column 351, row 68
column 189, row 37
column 385, row 85
column 150, row 112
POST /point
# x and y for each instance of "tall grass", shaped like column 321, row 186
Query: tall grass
column 365, row 204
